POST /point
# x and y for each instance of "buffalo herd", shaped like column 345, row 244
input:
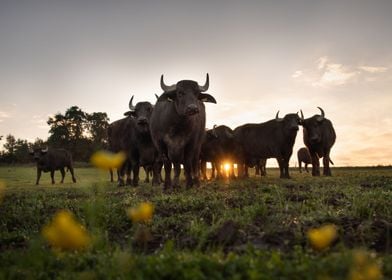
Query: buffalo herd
column 172, row 133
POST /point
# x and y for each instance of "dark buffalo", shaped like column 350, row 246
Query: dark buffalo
column 271, row 139
column 319, row 137
column 178, row 127
column 50, row 160
column 132, row 135
column 304, row 156
column 217, row 148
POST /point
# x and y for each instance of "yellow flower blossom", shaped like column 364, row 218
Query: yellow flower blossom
column 2, row 190
column 364, row 268
column 65, row 233
column 107, row 160
column 321, row 238
column 142, row 213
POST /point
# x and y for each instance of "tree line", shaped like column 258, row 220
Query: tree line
column 79, row 132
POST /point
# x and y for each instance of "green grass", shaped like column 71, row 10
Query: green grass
column 242, row 229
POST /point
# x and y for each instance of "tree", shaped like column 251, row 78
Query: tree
column 59, row 131
column 9, row 145
column 97, row 125
column 76, row 120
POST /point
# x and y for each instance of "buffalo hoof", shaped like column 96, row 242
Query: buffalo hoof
column 74, row 180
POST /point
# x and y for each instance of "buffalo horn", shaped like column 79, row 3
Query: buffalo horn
column 322, row 112
column 302, row 115
column 206, row 85
column 166, row 88
column 131, row 107
column 45, row 150
column 277, row 117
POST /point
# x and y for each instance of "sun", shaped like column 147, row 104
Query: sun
column 226, row 166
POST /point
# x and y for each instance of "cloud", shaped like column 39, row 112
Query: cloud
column 321, row 62
column 335, row 74
column 297, row 74
column 327, row 73
column 4, row 115
column 373, row 69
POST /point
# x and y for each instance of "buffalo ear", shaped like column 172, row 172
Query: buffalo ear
column 167, row 96
column 129, row 114
column 205, row 97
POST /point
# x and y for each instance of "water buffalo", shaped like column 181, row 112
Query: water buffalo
column 304, row 156
column 50, row 160
column 319, row 137
column 132, row 135
column 177, row 128
column 271, row 139
column 217, row 148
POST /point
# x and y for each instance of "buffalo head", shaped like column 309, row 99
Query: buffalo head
column 313, row 126
column 141, row 114
column 290, row 121
column 38, row 153
column 186, row 95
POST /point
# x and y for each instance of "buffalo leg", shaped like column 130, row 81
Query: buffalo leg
column 232, row 175
column 286, row 168
column 111, row 175
column 135, row 169
column 196, row 171
column 177, row 172
column 213, row 167
column 168, row 166
column 300, row 166
column 62, row 175
column 39, row 171
column 257, row 170
column 281, row 167
column 71, row 170
column 326, row 168
column 306, row 168
column 203, row 168
column 147, row 171
column 246, row 171
column 52, row 176
column 121, row 173
column 315, row 165
column 156, row 173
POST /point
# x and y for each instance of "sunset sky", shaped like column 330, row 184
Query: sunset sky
column 262, row 56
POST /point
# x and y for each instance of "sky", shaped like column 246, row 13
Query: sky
column 261, row 56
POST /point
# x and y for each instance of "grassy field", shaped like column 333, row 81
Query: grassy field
column 242, row 229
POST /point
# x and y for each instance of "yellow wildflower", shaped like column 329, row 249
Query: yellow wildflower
column 65, row 233
column 107, row 160
column 321, row 238
column 364, row 268
column 142, row 213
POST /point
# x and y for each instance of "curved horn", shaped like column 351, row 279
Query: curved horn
column 131, row 107
column 322, row 112
column 45, row 150
column 214, row 132
column 302, row 115
column 277, row 115
column 206, row 85
column 156, row 95
column 166, row 88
